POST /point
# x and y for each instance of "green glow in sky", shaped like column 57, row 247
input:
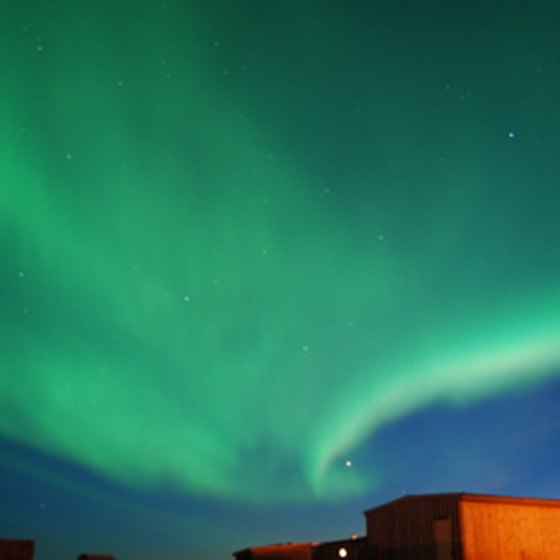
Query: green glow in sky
column 233, row 245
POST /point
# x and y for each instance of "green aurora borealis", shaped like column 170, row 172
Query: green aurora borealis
column 238, row 238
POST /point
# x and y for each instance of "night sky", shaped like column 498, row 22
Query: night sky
column 266, row 264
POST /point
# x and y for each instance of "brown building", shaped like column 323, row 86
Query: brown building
column 355, row 548
column 284, row 551
column 457, row 526
column 15, row 549
column 464, row 527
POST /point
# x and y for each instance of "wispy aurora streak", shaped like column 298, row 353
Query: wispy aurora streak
column 195, row 295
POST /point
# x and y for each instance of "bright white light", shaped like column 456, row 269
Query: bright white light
column 348, row 463
column 342, row 552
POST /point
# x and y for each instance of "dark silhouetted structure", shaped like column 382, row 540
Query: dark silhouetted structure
column 15, row 549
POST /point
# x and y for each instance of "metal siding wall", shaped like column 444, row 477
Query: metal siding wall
column 403, row 530
column 502, row 531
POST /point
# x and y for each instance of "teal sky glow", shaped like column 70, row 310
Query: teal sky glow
column 239, row 240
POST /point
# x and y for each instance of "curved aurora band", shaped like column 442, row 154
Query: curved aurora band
column 187, row 304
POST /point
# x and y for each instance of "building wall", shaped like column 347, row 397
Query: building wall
column 415, row 528
column 506, row 531
column 350, row 549
column 455, row 526
column 288, row 551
